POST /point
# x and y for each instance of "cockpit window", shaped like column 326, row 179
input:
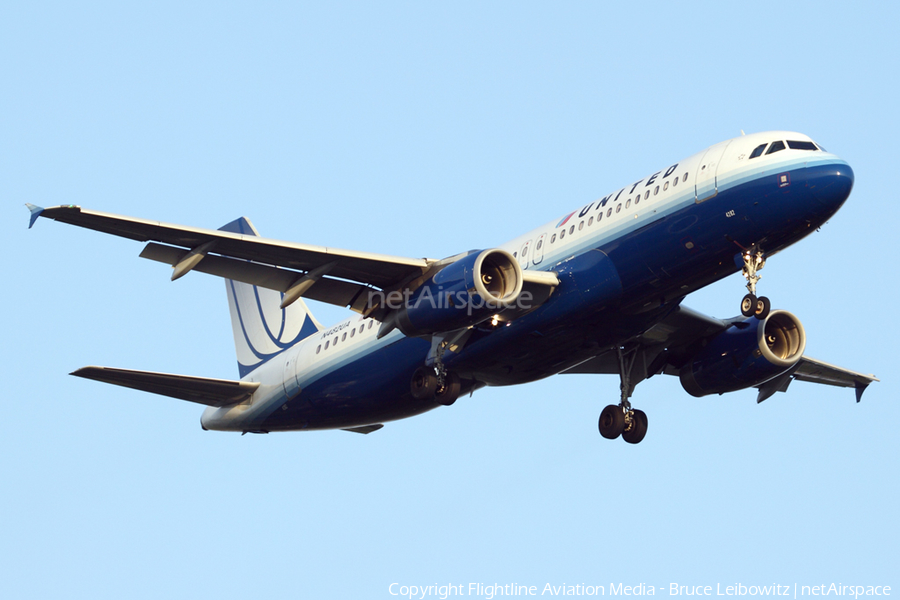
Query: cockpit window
column 758, row 150
column 775, row 147
column 795, row 145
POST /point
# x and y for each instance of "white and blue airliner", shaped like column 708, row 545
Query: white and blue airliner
column 596, row 290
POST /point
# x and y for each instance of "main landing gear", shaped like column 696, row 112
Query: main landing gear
column 428, row 384
column 754, row 260
column 622, row 419
column 435, row 383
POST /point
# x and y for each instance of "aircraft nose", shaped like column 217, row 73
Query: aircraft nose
column 834, row 185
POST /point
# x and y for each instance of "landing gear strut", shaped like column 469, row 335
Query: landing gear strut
column 623, row 420
column 436, row 383
column 754, row 260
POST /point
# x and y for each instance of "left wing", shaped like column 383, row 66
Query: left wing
column 284, row 266
column 670, row 339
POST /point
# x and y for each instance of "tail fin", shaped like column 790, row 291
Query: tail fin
column 262, row 329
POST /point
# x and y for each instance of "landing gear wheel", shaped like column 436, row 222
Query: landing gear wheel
column 763, row 306
column 612, row 422
column 448, row 394
column 638, row 428
column 423, row 384
column 748, row 305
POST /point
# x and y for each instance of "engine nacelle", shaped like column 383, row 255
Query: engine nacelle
column 462, row 294
column 746, row 354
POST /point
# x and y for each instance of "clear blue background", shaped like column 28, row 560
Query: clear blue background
column 425, row 129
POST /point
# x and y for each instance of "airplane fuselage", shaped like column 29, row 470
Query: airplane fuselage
column 624, row 262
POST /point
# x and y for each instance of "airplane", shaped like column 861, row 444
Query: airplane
column 596, row 290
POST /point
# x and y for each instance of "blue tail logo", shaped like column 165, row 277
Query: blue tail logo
column 262, row 329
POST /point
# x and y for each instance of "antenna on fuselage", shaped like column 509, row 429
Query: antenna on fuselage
column 742, row 132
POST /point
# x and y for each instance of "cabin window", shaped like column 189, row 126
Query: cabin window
column 775, row 147
column 562, row 234
column 334, row 341
column 344, row 337
column 318, row 348
column 326, row 344
column 656, row 190
column 646, row 194
column 794, row 145
column 627, row 204
column 353, row 332
column 371, row 323
column 581, row 226
column 609, row 212
column 540, row 243
column 618, row 207
column 515, row 254
column 758, row 150
column 684, row 177
column 674, row 183
column 600, row 216
column 637, row 199
column 553, row 238
column 590, row 221
column 524, row 251
column 665, row 186
column 571, row 230
column 362, row 327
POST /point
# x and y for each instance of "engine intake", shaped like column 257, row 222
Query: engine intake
column 462, row 294
column 746, row 354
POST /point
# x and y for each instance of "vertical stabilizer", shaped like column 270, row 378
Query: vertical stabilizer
column 262, row 329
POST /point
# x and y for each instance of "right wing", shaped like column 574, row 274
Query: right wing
column 816, row 371
column 669, row 343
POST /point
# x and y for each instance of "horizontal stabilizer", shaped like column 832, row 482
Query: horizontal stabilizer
column 202, row 390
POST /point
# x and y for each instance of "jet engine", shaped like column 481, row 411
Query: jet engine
column 746, row 354
column 462, row 294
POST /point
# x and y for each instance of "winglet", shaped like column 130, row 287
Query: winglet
column 860, row 388
column 35, row 213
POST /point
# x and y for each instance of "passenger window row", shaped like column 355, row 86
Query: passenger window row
column 343, row 338
column 618, row 209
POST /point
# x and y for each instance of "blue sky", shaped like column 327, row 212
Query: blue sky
column 420, row 129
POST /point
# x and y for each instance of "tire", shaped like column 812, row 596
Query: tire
column 612, row 422
column 638, row 428
column 450, row 391
column 748, row 305
column 763, row 307
column 423, row 384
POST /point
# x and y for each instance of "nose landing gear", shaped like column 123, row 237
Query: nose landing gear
column 751, row 305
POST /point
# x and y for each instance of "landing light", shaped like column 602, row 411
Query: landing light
column 495, row 320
